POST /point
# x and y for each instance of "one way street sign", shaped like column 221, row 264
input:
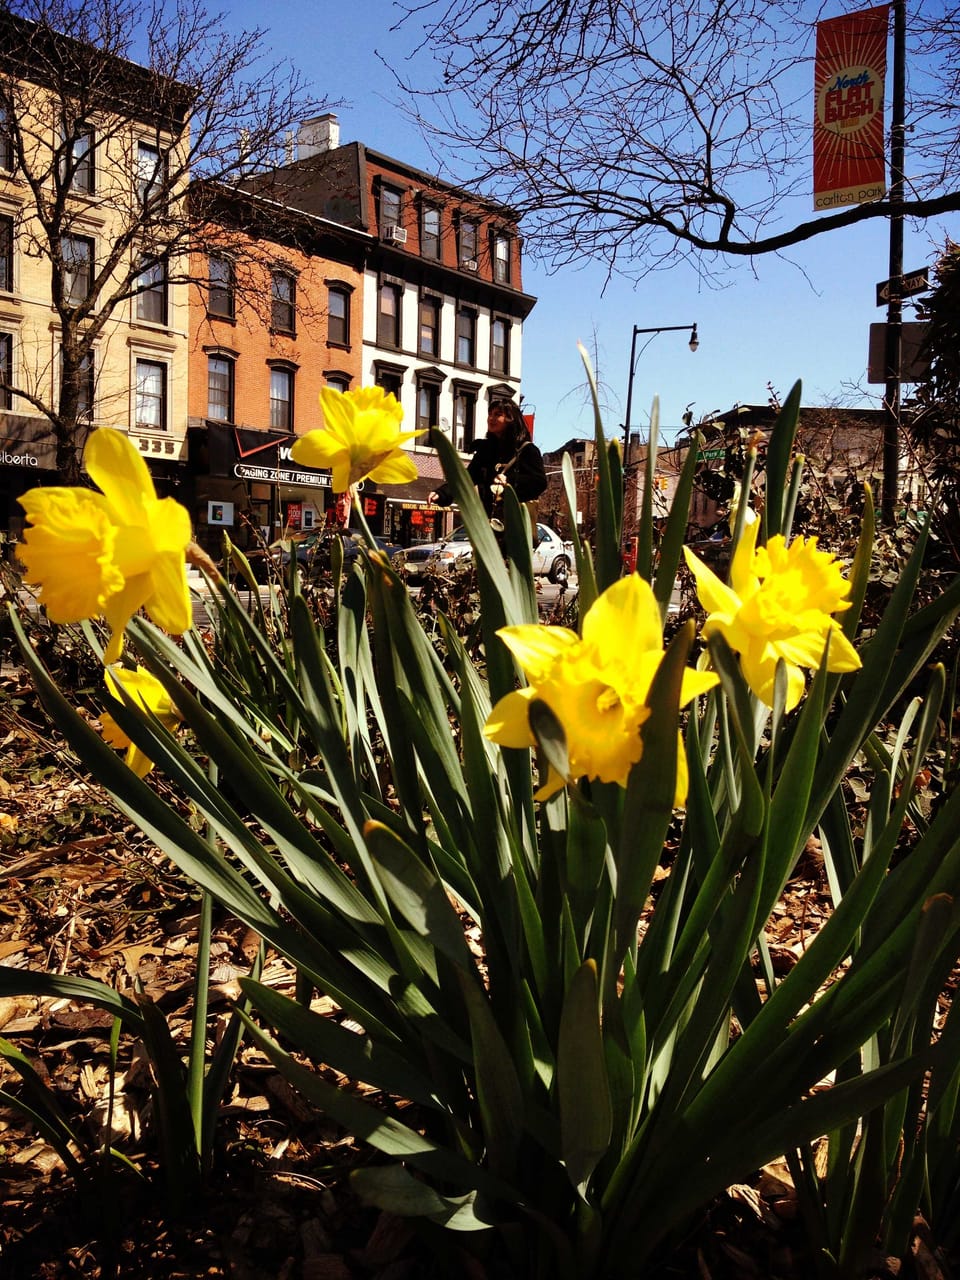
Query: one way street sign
column 915, row 282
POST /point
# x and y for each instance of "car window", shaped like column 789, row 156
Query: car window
column 459, row 535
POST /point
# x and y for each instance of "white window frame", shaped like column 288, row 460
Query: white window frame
column 156, row 362
column 147, row 184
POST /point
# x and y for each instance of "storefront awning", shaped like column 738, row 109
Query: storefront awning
column 414, row 493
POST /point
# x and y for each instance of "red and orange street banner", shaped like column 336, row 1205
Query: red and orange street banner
column 849, row 160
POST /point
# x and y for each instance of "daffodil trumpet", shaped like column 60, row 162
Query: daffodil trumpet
column 779, row 605
column 596, row 687
column 112, row 553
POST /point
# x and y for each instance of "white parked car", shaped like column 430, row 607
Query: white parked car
column 552, row 557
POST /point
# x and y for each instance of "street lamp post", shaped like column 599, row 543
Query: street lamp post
column 693, row 343
column 666, row 328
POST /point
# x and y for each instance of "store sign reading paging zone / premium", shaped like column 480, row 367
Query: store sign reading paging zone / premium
column 280, row 474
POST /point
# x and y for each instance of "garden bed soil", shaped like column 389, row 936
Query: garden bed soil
column 85, row 893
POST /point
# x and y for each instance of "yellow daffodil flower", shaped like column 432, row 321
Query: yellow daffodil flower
column 596, row 686
column 147, row 692
column 779, row 604
column 111, row 553
column 361, row 437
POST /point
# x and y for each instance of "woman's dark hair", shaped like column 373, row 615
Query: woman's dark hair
column 516, row 429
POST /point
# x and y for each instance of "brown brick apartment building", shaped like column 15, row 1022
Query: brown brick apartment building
column 279, row 317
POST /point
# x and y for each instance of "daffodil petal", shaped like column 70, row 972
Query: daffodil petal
column 169, row 527
column 741, row 566
column 695, row 683
column 627, row 613
column 555, row 782
column 536, row 647
column 683, row 777
column 508, row 724
column 135, row 760
column 316, row 449
column 118, row 469
column 169, row 602
column 338, row 411
column 399, row 468
column 843, row 656
column 715, row 596
column 111, row 732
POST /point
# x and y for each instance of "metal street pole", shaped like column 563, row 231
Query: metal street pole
column 894, row 344
column 666, row 328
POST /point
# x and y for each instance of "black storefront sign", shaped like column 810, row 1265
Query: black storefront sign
column 27, row 444
column 247, row 454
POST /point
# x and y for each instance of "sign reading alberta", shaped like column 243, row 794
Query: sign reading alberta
column 27, row 444
column 910, row 283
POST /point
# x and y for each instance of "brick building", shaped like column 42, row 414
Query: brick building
column 277, row 317
column 443, row 303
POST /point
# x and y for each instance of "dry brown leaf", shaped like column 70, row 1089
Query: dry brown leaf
column 13, row 1007
column 38, row 1154
column 133, row 955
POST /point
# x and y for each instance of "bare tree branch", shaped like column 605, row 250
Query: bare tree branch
column 635, row 133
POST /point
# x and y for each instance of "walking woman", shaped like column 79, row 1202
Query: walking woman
column 505, row 456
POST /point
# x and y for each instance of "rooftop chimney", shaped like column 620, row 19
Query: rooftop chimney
column 322, row 133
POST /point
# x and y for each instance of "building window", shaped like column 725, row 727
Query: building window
column 468, row 240
column 500, row 346
column 78, row 166
column 391, row 380
column 338, row 317
column 283, row 302
column 466, row 337
column 220, row 389
column 464, row 418
column 391, row 208
column 428, row 405
column 149, row 171
column 337, row 381
column 429, row 342
column 6, row 371
column 430, row 232
column 388, row 316
column 6, row 255
column 77, row 268
column 501, row 259
column 281, row 399
column 152, row 298
column 221, row 296
column 151, row 395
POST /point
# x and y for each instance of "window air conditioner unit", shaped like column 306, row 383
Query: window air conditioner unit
column 470, row 264
column 395, row 234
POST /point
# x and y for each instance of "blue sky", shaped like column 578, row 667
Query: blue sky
column 773, row 321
